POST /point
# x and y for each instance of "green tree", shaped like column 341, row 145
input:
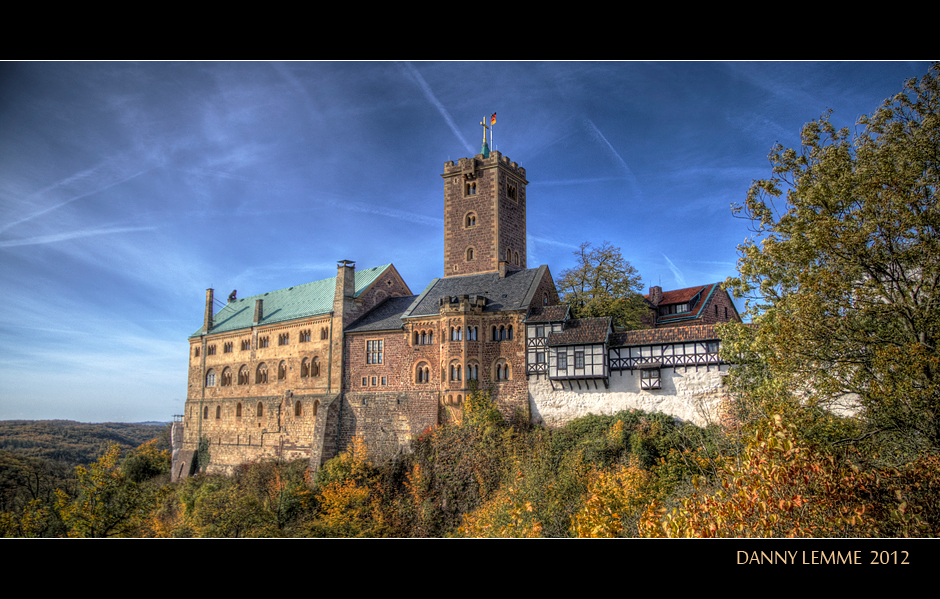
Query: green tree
column 843, row 275
column 604, row 284
column 107, row 503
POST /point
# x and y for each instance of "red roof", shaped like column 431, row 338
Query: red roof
column 680, row 296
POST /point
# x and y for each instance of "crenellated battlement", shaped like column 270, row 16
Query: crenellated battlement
column 469, row 166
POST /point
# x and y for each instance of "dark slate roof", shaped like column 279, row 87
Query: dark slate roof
column 299, row 301
column 582, row 331
column 513, row 292
column 384, row 317
column 701, row 332
column 558, row 313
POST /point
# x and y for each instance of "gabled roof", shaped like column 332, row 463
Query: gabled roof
column 582, row 331
column 512, row 292
column 299, row 301
column 683, row 295
column 557, row 313
column 680, row 296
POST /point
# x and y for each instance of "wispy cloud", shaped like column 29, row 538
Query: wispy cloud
column 540, row 240
column 675, row 271
column 411, row 71
column 383, row 211
column 100, row 178
column 71, row 235
column 573, row 181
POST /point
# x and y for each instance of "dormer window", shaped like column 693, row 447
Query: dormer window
column 673, row 309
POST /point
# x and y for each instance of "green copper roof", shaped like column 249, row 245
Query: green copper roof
column 300, row 301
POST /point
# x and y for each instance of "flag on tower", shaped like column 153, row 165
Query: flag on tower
column 493, row 119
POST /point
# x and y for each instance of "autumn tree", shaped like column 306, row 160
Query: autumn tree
column 603, row 284
column 843, row 272
column 106, row 503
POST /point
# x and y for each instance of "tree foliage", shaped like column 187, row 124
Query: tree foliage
column 843, row 273
column 107, row 503
column 604, row 284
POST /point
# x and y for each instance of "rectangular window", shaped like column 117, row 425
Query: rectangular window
column 539, row 331
column 384, row 381
column 562, row 361
column 365, row 381
column 579, row 359
column 374, row 351
column 539, row 357
column 650, row 379
column 373, row 381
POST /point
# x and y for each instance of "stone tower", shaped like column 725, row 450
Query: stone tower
column 484, row 215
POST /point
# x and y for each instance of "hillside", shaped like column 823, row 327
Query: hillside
column 71, row 442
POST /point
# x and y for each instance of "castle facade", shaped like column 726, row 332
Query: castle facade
column 299, row 372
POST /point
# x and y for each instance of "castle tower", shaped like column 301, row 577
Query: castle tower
column 484, row 215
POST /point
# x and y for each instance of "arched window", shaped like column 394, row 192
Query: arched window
column 210, row 378
column 315, row 367
column 470, row 220
column 282, row 371
column 469, row 254
column 298, row 409
column 238, row 410
column 243, row 375
column 422, row 373
column 261, row 375
column 495, row 333
column 218, row 412
column 316, row 406
column 259, row 412
column 205, row 413
column 517, row 258
column 509, row 332
column 227, row 377
column 473, row 372
column 305, row 368
column 455, row 371
column 430, row 337
column 502, row 332
column 471, row 333
column 508, row 255
column 502, row 370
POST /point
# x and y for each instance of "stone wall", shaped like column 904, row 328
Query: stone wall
column 690, row 394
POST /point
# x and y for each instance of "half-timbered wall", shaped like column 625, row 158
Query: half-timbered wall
column 577, row 362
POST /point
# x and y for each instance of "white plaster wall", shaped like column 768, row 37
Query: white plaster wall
column 691, row 396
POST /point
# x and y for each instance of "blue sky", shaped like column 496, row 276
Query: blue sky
column 127, row 189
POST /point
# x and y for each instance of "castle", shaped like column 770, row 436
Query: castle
column 299, row 372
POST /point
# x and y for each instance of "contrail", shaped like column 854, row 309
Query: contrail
column 70, row 200
column 71, row 235
column 440, row 107
column 675, row 270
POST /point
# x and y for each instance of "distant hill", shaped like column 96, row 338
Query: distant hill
column 73, row 442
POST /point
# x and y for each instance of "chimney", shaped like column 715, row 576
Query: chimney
column 656, row 295
column 259, row 311
column 502, row 269
column 207, row 323
column 345, row 280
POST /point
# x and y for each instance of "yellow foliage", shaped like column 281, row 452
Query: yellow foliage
column 612, row 497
